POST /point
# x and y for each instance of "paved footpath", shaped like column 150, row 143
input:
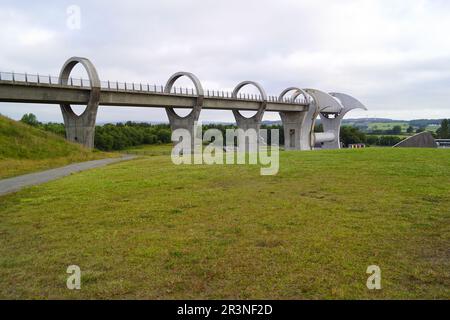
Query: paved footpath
column 15, row 184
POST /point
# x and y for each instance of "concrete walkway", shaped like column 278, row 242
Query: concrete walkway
column 15, row 184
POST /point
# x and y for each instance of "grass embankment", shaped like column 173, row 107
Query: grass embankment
column 25, row 149
column 149, row 229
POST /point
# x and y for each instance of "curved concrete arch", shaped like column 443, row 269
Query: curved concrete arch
column 259, row 114
column 81, row 128
column 86, row 63
column 198, row 87
column 93, row 79
column 188, row 122
column 253, row 123
column 298, row 92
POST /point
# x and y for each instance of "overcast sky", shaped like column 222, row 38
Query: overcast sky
column 393, row 55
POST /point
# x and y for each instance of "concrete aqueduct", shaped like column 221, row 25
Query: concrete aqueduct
column 298, row 108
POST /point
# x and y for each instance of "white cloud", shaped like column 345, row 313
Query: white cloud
column 34, row 37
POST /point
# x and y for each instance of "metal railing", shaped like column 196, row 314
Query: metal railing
column 139, row 87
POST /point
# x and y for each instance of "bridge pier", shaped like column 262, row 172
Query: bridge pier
column 298, row 126
column 188, row 122
column 249, row 126
column 81, row 129
column 333, row 125
column 326, row 105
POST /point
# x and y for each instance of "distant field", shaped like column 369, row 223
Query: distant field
column 388, row 126
column 149, row 229
column 25, row 149
column 432, row 128
column 391, row 125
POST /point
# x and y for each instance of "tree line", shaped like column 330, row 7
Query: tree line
column 120, row 136
column 111, row 137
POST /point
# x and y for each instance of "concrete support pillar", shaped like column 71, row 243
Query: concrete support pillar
column 326, row 104
column 333, row 124
column 188, row 122
column 250, row 126
column 292, row 125
column 81, row 129
column 298, row 126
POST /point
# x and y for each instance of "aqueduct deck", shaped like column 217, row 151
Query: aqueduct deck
column 298, row 108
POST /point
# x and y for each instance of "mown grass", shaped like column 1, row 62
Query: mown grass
column 151, row 150
column 149, row 229
column 25, row 149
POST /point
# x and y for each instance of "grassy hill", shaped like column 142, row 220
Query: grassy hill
column 25, row 149
column 150, row 229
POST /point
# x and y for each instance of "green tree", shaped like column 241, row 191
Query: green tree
column 444, row 131
column 389, row 140
column 397, row 130
column 372, row 140
column 350, row 135
column 410, row 129
column 30, row 119
column 421, row 129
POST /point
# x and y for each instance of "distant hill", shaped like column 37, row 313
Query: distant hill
column 373, row 125
column 24, row 149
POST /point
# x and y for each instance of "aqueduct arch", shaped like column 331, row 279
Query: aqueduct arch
column 81, row 128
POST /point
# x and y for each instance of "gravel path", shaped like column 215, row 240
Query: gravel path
column 15, row 184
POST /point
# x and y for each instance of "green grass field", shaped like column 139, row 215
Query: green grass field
column 25, row 149
column 151, row 150
column 432, row 128
column 404, row 125
column 148, row 229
